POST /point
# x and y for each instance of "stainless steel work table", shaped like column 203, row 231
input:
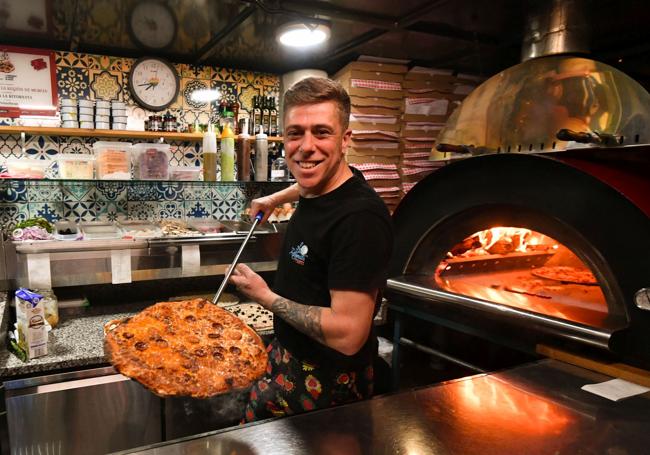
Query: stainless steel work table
column 536, row 408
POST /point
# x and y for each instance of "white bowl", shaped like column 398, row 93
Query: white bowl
column 86, row 110
column 86, row 118
column 102, row 118
column 86, row 103
column 88, row 125
column 117, row 119
column 69, row 110
column 70, row 124
column 103, row 125
column 104, row 104
column 119, row 112
column 68, row 102
column 103, row 111
column 118, row 105
column 119, row 126
column 72, row 116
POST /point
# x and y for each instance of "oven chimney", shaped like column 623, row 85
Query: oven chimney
column 555, row 27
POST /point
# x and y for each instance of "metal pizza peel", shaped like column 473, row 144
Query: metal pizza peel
column 229, row 271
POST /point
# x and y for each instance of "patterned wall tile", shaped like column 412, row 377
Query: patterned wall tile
column 198, row 192
column 71, row 60
column 112, row 211
column 44, row 192
column 79, row 191
column 10, row 146
column 188, row 87
column 74, row 145
column 222, row 74
column 51, row 211
column 195, row 71
column 10, row 214
column 42, row 147
column 72, row 82
column 246, row 94
column 105, row 85
column 79, row 211
column 142, row 191
column 111, row 191
column 142, row 210
column 170, row 209
column 227, row 202
column 197, row 209
column 169, row 191
column 13, row 191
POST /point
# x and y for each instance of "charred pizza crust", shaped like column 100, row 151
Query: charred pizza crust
column 566, row 274
column 187, row 348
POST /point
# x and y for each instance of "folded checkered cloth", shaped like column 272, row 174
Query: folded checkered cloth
column 414, row 170
column 420, row 145
column 377, row 85
column 374, row 119
column 415, row 155
column 407, row 186
column 380, row 175
column 369, row 166
column 387, row 189
column 383, row 133
column 422, row 163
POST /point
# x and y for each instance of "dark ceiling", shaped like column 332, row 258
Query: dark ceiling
column 479, row 37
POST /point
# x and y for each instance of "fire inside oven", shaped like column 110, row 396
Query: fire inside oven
column 522, row 259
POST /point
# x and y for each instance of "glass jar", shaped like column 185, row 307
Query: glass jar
column 169, row 122
column 155, row 123
column 50, row 306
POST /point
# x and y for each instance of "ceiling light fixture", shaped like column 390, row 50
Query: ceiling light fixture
column 205, row 95
column 303, row 34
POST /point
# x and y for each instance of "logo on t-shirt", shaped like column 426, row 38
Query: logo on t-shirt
column 298, row 253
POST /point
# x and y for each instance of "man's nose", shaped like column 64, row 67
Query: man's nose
column 307, row 142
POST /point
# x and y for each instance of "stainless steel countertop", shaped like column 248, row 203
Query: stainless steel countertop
column 536, row 408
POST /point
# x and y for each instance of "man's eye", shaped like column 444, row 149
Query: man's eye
column 323, row 133
column 293, row 134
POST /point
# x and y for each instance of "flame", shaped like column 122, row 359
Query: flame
column 511, row 239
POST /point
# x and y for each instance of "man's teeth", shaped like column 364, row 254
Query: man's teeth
column 307, row 165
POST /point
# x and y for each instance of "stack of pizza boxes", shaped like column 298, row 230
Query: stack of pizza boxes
column 429, row 99
column 376, row 91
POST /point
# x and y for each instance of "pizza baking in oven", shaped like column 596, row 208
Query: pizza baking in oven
column 566, row 274
column 186, row 348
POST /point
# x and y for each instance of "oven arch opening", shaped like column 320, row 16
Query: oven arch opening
column 528, row 253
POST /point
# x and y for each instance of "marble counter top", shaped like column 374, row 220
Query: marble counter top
column 78, row 340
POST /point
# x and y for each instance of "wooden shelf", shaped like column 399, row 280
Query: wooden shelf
column 127, row 134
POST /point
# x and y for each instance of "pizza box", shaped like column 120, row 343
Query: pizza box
column 93, row 230
column 345, row 75
column 374, row 101
column 375, row 66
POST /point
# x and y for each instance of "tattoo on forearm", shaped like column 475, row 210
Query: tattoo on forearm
column 305, row 318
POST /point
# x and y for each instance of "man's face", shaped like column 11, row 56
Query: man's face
column 315, row 145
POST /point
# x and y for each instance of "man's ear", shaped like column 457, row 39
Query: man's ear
column 345, row 143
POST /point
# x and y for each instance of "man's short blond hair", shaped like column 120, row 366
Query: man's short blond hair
column 313, row 90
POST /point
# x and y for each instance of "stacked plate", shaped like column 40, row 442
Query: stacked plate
column 119, row 115
column 103, row 115
column 86, row 111
column 69, row 116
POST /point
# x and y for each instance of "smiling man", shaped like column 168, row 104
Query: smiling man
column 331, row 269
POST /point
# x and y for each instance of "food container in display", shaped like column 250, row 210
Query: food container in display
column 66, row 230
column 151, row 161
column 103, row 111
column 69, row 110
column 119, row 126
column 119, row 119
column 118, row 105
column 86, row 103
column 27, row 168
column 70, row 124
column 103, row 125
column 87, row 125
column 68, row 102
column 86, row 118
column 185, row 173
column 140, row 230
column 112, row 160
column 101, row 104
column 69, row 116
column 208, row 226
column 86, row 110
column 76, row 166
column 102, row 118
column 119, row 112
column 93, row 230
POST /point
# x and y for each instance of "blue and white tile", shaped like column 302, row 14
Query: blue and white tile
column 78, row 191
column 79, row 211
column 170, row 209
column 142, row 191
column 142, row 210
column 169, row 191
column 73, row 82
column 14, row 191
column 44, row 192
column 112, row 191
column 198, row 191
column 11, row 214
column 112, row 211
column 51, row 211
column 229, row 209
column 41, row 147
column 75, row 145
column 225, row 191
column 198, row 209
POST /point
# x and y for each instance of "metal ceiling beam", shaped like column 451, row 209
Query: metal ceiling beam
column 206, row 51
column 331, row 11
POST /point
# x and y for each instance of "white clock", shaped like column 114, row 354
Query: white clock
column 153, row 83
column 152, row 24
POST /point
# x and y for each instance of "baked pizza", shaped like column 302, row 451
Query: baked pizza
column 566, row 274
column 186, row 348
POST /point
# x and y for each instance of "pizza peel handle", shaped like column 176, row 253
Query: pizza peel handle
column 256, row 220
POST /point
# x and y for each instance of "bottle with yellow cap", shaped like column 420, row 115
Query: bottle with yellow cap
column 227, row 154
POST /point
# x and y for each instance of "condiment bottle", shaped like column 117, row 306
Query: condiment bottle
column 244, row 153
column 210, row 156
column 280, row 169
column 261, row 156
column 227, row 154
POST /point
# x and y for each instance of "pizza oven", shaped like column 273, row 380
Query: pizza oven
column 533, row 249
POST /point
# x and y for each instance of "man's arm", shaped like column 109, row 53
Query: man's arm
column 267, row 203
column 343, row 327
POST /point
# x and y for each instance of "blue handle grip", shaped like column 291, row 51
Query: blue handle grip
column 259, row 216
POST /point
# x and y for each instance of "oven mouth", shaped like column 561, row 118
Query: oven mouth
column 501, row 280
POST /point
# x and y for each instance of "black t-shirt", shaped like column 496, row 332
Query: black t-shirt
column 341, row 240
